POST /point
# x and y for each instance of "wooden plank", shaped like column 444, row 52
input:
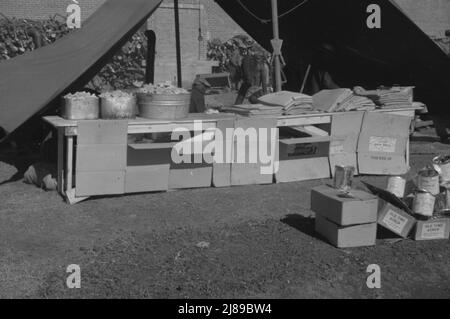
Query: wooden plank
column 102, row 132
column 190, row 176
column 71, row 199
column 299, row 121
column 57, row 121
column 69, row 161
column 222, row 171
column 312, row 130
column 61, row 163
column 101, row 157
column 303, row 170
column 249, row 174
column 100, row 183
column 151, row 146
column 152, row 178
column 304, row 140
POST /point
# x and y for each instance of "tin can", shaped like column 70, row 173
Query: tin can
column 442, row 165
column 428, row 180
column 343, row 177
column 447, row 196
column 396, row 185
column 423, row 203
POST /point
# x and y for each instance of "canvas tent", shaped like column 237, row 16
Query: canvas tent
column 33, row 83
column 397, row 53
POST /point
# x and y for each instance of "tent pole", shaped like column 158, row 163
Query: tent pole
column 177, row 40
column 276, row 43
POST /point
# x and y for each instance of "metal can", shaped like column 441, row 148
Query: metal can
column 343, row 177
column 423, row 203
column 396, row 185
column 428, row 180
column 442, row 165
column 447, row 196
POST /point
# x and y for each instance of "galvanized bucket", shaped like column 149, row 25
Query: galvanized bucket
column 163, row 106
column 442, row 166
column 87, row 108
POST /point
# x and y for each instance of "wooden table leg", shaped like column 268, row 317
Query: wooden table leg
column 69, row 163
column 61, row 161
column 70, row 189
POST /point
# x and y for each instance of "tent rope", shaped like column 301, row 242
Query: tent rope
column 265, row 21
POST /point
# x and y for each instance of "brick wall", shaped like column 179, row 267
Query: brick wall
column 42, row 9
column 217, row 24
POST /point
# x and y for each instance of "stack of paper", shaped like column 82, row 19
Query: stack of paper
column 291, row 102
column 395, row 97
column 329, row 100
column 354, row 102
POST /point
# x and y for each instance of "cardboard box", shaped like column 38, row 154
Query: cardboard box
column 432, row 229
column 147, row 167
column 101, row 154
column 222, row 169
column 190, row 176
column 328, row 202
column 243, row 172
column 345, row 129
column 382, row 144
column 346, row 236
column 302, row 156
column 396, row 220
column 193, row 171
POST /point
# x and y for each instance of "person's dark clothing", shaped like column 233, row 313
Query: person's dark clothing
column 255, row 77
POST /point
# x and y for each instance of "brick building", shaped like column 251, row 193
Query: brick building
column 433, row 16
column 195, row 16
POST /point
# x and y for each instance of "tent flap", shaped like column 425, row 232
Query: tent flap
column 33, row 82
column 397, row 53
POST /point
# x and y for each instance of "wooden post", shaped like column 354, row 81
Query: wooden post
column 178, row 41
column 150, row 65
column 276, row 43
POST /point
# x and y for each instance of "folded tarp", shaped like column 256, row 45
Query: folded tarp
column 33, row 82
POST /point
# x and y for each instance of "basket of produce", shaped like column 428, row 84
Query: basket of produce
column 117, row 105
column 80, row 106
column 163, row 101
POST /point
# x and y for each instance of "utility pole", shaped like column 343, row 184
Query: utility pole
column 276, row 45
column 177, row 40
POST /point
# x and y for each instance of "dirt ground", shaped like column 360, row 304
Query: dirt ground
column 238, row 242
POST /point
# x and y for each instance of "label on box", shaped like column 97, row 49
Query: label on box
column 434, row 230
column 337, row 149
column 395, row 221
column 382, row 144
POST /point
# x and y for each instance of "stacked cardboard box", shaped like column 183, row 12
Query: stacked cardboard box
column 396, row 216
column 345, row 221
